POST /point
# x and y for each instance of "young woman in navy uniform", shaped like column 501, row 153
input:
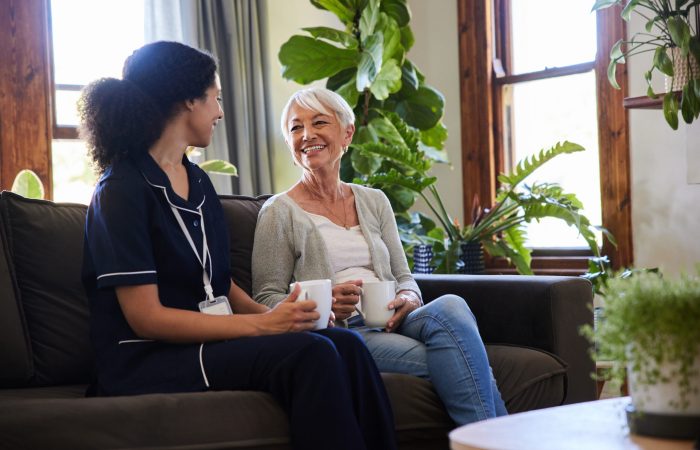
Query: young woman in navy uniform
column 156, row 269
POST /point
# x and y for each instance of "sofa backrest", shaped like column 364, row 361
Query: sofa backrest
column 43, row 308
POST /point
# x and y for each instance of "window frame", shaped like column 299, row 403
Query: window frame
column 482, row 53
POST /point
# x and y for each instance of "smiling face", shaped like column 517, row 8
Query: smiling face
column 205, row 115
column 316, row 139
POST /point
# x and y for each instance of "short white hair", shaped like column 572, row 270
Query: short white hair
column 320, row 100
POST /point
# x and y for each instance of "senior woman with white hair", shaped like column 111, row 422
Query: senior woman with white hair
column 324, row 228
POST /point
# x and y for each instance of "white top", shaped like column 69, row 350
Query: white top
column 348, row 251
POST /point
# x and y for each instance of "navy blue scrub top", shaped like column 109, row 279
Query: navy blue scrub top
column 133, row 238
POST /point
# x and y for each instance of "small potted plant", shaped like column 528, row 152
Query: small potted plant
column 651, row 333
column 671, row 33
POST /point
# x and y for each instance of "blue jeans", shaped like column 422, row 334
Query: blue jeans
column 441, row 343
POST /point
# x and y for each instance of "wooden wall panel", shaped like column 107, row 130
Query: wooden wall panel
column 475, row 56
column 613, row 140
column 25, row 90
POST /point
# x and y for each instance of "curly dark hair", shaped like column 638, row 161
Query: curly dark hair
column 122, row 118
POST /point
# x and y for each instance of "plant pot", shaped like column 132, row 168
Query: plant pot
column 683, row 70
column 658, row 409
column 422, row 257
column 471, row 256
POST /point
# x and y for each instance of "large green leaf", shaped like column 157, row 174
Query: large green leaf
column 435, row 137
column 388, row 80
column 370, row 61
column 416, row 183
column 528, row 165
column 385, row 131
column 680, row 33
column 422, row 108
column 600, row 4
column 401, row 198
column 627, row 10
column 409, row 78
column 368, row 19
column 410, row 135
column 349, row 92
column 28, row 184
column 364, row 162
column 397, row 10
column 663, row 62
column 338, row 7
column 433, row 153
column 219, row 166
column 407, row 38
column 670, row 107
column 392, row 37
column 500, row 248
column 305, row 59
column 398, row 154
column 346, row 39
column 687, row 105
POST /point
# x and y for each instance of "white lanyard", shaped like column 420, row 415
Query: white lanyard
column 205, row 250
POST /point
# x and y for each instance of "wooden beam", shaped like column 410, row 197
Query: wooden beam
column 613, row 140
column 475, row 57
column 25, row 91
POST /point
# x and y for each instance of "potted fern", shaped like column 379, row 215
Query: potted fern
column 500, row 228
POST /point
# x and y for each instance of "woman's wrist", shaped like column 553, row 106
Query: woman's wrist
column 410, row 296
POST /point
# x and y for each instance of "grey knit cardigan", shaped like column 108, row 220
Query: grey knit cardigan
column 288, row 247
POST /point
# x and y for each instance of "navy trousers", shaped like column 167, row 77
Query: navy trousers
column 326, row 381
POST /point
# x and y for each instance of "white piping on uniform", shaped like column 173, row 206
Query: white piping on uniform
column 125, row 273
column 201, row 365
column 165, row 191
column 131, row 341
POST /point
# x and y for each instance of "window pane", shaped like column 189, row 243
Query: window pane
column 552, row 33
column 92, row 38
column 73, row 176
column 549, row 111
column 66, row 107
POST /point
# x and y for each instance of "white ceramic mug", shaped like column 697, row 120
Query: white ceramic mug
column 321, row 292
column 376, row 296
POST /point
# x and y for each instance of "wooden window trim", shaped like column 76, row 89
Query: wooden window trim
column 25, row 128
column 483, row 155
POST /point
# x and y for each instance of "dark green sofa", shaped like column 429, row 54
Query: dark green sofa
column 529, row 323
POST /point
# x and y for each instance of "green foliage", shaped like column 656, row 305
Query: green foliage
column 669, row 25
column 28, row 184
column 399, row 132
column 219, row 166
column 650, row 319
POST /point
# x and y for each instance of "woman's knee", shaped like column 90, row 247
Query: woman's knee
column 451, row 306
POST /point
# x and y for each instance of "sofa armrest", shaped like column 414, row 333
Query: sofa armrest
column 543, row 312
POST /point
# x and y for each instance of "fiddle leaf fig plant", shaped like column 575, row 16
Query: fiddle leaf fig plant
column 399, row 131
column 671, row 33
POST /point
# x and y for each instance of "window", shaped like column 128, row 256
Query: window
column 90, row 40
column 533, row 75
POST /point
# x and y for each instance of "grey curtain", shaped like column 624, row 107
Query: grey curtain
column 232, row 30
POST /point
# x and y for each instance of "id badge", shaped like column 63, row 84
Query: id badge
column 218, row 307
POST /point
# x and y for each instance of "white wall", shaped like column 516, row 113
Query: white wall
column 435, row 52
column 665, row 206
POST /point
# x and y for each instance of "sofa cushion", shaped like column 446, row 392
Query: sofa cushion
column 241, row 213
column 528, row 378
column 43, row 244
column 58, row 418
